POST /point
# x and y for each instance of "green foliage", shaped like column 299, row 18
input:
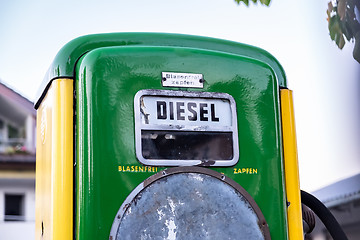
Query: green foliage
column 344, row 24
column 264, row 2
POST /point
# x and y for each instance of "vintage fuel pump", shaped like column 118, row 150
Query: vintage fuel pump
column 165, row 136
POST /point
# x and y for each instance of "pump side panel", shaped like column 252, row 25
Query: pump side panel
column 54, row 163
column 107, row 167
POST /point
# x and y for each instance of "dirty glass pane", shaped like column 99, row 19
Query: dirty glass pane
column 189, row 206
column 186, row 145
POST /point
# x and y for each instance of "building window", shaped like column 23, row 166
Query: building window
column 13, row 132
column 14, row 207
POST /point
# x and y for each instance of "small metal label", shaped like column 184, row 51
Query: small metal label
column 185, row 80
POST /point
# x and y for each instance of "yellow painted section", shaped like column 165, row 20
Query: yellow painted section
column 54, row 163
column 295, row 227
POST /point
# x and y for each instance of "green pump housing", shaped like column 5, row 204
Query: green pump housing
column 171, row 133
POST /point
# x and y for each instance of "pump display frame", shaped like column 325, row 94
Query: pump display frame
column 229, row 128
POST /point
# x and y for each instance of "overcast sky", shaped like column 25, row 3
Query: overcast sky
column 325, row 80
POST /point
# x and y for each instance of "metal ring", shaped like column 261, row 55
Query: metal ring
column 189, row 169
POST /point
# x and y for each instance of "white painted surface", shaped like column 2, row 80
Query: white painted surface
column 21, row 229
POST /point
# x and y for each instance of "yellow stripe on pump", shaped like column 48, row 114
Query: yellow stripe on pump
column 54, row 163
column 295, row 228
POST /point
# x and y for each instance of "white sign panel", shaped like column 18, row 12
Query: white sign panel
column 186, row 111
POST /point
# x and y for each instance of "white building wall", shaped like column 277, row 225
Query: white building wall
column 30, row 128
column 20, row 229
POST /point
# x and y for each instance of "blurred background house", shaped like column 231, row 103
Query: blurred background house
column 17, row 165
column 342, row 198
